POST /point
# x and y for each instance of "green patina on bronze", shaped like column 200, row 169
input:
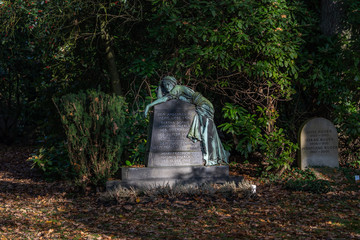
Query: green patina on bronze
column 203, row 128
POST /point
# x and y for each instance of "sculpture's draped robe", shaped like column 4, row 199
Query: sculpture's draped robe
column 203, row 127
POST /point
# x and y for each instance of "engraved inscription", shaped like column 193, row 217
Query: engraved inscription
column 319, row 141
column 171, row 132
column 176, row 158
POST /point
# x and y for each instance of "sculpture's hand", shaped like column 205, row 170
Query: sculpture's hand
column 146, row 111
column 157, row 101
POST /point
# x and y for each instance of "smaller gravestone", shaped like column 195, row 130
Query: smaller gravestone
column 318, row 144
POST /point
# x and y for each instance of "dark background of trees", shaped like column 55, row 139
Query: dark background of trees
column 276, row 63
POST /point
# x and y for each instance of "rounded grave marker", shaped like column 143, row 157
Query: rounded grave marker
column 318, row 144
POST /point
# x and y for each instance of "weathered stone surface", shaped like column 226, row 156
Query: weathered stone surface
column 169, row 145
column 318, row 144
column 185, row 172
column 166, row 159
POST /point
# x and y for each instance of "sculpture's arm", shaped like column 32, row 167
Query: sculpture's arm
column 156, row 102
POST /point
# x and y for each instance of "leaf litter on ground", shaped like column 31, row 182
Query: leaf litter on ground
column 31, row 208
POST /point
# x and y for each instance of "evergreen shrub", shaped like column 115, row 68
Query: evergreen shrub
column 94, row 126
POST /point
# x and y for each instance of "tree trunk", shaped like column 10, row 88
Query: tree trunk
column 270, row 111
column 110, row 59
column 331, row 13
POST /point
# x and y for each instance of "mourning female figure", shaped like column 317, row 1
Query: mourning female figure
column 202, row 128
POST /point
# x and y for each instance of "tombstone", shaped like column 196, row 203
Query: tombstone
column 171, row 157
column 318, row 144
column 168, row 144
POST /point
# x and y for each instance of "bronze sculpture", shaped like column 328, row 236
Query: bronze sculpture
column 203, row 128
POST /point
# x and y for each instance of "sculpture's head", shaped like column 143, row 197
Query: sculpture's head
column 168, row 83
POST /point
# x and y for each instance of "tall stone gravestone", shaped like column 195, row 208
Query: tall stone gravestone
column 172, row 158
column 318, row 144
column 168, row 144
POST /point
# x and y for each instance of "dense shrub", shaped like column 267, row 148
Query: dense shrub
column 94, row 126
column 243, row 52
column 137, row 126
column 249, row 132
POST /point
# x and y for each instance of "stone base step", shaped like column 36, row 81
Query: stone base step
column 176, row 172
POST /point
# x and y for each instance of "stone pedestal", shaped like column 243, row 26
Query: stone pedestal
column 172, row 158
column 162, row 176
